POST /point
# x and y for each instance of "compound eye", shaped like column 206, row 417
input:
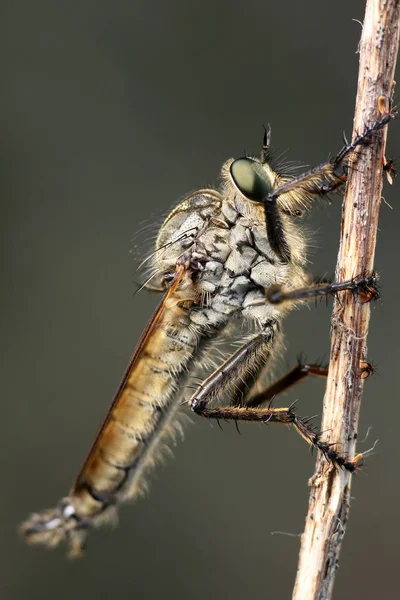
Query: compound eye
column 250, row 179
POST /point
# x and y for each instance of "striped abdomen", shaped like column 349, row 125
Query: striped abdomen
column 143, row 408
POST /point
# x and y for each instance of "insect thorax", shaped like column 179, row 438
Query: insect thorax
column 223, row 235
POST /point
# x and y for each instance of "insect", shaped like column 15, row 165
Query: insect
column 229, row 262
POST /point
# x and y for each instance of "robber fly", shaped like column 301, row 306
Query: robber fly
column 228, row 258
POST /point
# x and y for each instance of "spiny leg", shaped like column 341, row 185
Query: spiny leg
column 313, row 181
column 234, row 377
column 363, row 288
column 318, row 181
column 284, row 416
column 292, row 377
column 230, row 377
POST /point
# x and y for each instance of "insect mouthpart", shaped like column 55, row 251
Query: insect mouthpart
column 250, row 179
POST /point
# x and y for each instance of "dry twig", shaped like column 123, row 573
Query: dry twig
column 330, row 489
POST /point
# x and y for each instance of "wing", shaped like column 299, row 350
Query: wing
column 141, row 413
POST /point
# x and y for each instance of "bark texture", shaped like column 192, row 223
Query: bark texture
column 330, row 488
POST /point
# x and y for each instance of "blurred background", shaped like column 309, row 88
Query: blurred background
column 109, row 113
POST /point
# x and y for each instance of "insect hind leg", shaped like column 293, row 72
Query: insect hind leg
column 292, row 377
column 283, row 416
column 238, row 373
column 228, row 378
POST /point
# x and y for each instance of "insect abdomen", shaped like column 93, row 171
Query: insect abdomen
column 142, row 409
column 139, row 417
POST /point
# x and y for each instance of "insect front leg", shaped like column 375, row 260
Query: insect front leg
column 324, row 178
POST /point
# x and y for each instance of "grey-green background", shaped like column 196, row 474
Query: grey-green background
column 109, row 112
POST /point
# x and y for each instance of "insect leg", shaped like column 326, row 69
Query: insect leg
column 323, row 178
column 331, row 186
column 229, row 378
column 295, row 375
column 318, row 181
column 235, row 375
column 284, row 416
column 363, row 288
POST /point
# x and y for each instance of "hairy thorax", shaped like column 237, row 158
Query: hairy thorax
column 232, row 264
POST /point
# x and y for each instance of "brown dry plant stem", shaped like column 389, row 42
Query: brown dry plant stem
column 330, row 488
